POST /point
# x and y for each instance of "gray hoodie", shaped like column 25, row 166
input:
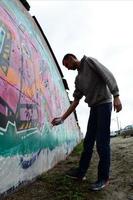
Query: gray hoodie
column 95, row 82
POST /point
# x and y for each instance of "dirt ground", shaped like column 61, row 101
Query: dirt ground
column 54, row 185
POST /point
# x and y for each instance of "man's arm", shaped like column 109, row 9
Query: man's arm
column 105, row 74
column 72, row 107
column 109, row 79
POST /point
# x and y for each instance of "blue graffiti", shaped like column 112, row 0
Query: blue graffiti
column 25, row 164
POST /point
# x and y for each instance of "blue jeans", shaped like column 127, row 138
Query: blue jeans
column 98, row 130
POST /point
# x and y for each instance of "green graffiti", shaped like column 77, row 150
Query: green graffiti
column 30, row 141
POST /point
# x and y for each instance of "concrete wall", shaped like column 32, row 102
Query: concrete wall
column 31, row 94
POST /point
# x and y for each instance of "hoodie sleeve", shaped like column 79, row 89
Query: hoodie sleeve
column 77, row 93
column 106, row 75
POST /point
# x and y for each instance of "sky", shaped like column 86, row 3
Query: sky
column 100, row 29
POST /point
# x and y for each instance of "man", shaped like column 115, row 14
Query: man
column 98, row 85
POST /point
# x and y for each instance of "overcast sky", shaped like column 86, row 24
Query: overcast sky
column 100, row 29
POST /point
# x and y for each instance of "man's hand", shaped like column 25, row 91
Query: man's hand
column 56, row 121
column 117, row 104
column 59, row 120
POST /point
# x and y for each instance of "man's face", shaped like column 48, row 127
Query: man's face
column 70, row 63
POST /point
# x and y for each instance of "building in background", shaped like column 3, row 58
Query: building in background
column 32, row 93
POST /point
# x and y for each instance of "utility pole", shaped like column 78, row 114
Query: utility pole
column 118, row 124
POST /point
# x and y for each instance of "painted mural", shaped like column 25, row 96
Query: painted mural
column 31, row 94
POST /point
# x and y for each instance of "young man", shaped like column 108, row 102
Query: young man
column 98, row 85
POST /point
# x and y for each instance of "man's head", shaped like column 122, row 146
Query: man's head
column 70, row 61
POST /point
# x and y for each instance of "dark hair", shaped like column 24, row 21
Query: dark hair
column 67, row 56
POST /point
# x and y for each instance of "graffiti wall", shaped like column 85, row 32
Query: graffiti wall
column 31, row 94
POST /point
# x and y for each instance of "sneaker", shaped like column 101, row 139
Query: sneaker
column 99, row 185
column 74, row 174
